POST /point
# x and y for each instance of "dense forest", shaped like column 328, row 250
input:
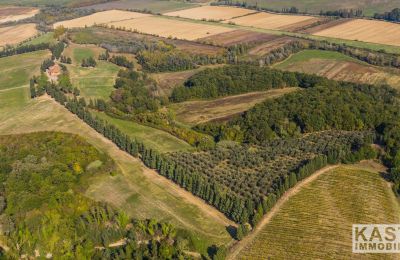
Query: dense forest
column 237, row 79
column 43, row 213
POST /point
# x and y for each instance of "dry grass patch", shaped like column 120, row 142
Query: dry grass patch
column 100, row 18
column 365, row 30
column 13, row 13
column 221, row 109
column 275, row 21
column 170, row 28
column 16, row 34
column 239, row 36
column 216, row 13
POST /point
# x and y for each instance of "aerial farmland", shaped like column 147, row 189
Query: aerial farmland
column 197, row 129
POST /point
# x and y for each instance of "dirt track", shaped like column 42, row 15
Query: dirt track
column 239, row 246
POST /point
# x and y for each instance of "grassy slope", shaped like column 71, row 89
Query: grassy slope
column 44, row 38
column 16, row 70
column 152, row 137
column 368, row 7
column 142, row 194
column 340, row 67
column 321, row 216
column 195, row 112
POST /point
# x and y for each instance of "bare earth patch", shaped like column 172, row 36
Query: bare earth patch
column 14, row 13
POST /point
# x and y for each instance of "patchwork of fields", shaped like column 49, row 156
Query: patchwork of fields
column 170, row 28
column 16, row 34
column 316, row 222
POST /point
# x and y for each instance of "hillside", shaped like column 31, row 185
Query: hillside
column 338, row 66
column 321, row 214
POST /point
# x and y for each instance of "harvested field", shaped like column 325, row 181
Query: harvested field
column 239, row 36
column 340, row 67
column 16, row 34
column 320, row 215
column 365, row 30
column 13, row 13
column 265, row 48
column 170, row 28
column 100, row 18
column 156, row 6
column 214, row 13
column 99, row 35
column 221, row 109
column 275, row 21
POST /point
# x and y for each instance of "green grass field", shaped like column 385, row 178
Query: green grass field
column 44, row 38
column 307, row 55
column 154, row 138
column 18, row 69
column 312, row 6
column 95, row 82
column 80, row 53
column 316, row 222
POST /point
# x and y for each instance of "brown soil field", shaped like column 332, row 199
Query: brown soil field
column 325, row 26
column 13, row 13
column 275, row 21
column 215, row 13
column 100, row 18
column 265, row 48
column 221, row 109
column 365, row 30
column 170, row 28
column 239, row 36
column 349, row 71
column 168, row 80
column 16, row 34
